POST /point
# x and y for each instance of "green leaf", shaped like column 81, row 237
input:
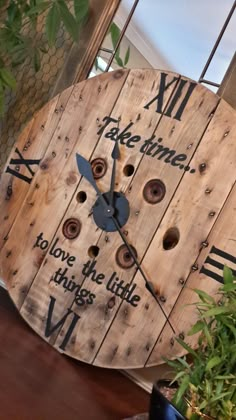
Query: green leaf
column 213, row 362
column 53, row 21
column 188, row 348
column 127, row 55
column 221, row 396
column 115, row 34
column 182, row 388
column 196, row 328
column 216, row 311
column 7, row 78
column 204, row 296
column 81, row 8
column 38, row 8
column 119, row 61
column 228, row 275
column 69, row 21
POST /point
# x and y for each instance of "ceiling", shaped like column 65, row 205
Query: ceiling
column 178, row 35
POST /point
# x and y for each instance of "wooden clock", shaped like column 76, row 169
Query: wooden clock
column 117, row 200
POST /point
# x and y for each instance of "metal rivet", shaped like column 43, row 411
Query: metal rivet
column 212, row 214
column 172, row 341
column 194, row 267
column 202, row 167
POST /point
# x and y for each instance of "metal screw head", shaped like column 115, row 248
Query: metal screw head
column 202, row 167
column 181, row 336
column 205, row 244
column 207, row 191
column 212, row 214
column 194, row 267
column 181, row 281
column 162, row 299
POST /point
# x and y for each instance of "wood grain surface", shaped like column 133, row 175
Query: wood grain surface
column 171, row 131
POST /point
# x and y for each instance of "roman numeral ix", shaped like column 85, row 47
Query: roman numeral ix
column 22, row 161
column 214, row 263
column 159, row 98
column 49, row 330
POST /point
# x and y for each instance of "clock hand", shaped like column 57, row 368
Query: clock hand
column 148, row 284
column 85, row 170
column 115, row 155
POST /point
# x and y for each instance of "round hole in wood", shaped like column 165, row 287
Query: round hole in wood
column 123, row 257
column 93, row 251
column 99, row 167
column 154, row 191
column 81, row 197
column 171, row 238
column 128, row 170
column 71, row 228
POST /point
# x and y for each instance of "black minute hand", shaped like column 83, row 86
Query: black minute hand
column 148, row 284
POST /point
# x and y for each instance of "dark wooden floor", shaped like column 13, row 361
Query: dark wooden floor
column 37, row 383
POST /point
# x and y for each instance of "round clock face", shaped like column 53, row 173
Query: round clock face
column 118, row 200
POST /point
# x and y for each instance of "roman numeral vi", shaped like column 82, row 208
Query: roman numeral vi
column 51, row 328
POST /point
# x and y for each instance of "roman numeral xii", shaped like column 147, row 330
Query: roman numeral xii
column 170, row 110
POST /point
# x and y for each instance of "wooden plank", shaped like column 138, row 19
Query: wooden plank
column 136, row 89
column 32, row 144
column 55, row 182
column 97, row 317
column 73, row 289
column 183, row 316
column 164, row 267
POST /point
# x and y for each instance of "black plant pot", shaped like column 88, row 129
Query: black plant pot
column 160, row 408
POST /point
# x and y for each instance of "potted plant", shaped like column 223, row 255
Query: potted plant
column 207, row 376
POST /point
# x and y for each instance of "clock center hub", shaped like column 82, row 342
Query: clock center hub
column 120, row 210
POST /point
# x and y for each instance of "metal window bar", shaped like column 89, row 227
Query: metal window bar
column 208, row 62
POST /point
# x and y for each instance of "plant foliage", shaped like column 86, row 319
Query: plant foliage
column 207, row 383
column 115, row 35
column 18, row 32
